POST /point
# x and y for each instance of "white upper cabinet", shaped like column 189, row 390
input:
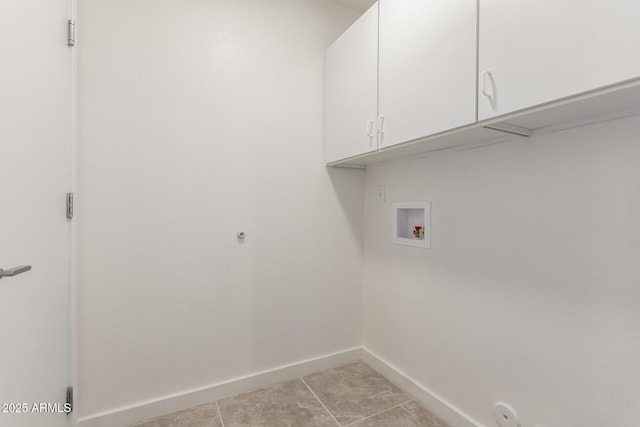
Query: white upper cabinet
column 536, row 51
column 411, row 76
column 351, row 97
column 427, row 67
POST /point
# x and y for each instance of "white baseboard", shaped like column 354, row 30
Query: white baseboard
column 436, row 404
column 127, row 415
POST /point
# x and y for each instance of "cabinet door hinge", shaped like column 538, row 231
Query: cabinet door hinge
column 69, row 400
column 71, row 33
column 69, row 205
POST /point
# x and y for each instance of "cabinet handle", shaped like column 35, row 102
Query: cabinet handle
column 381, row 123
column 370, row 128
column 485, row 74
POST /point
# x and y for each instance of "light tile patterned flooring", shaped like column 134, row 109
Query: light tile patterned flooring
column 351, row 395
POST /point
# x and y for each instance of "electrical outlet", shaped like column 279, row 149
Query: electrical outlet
column 380, row 194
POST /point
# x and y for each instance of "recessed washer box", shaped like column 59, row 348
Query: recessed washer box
column 412, row 224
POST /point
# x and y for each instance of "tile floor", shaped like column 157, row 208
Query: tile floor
column 350, row 395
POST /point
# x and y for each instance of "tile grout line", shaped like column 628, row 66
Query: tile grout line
column 220, row 414
column 325, row 408
column 378, row 413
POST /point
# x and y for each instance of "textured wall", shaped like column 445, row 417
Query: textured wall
column 199, row 119
column 530, row 291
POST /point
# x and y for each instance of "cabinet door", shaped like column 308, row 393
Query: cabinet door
column 536, row 51
column 351, row 76
column 427, row 67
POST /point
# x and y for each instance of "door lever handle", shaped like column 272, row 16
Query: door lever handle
column 14, row 271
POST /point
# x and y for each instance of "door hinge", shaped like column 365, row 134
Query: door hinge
column 71, row 33
column 69, row 205
column 69, row 400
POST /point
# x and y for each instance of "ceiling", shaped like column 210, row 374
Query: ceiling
column 357, row 5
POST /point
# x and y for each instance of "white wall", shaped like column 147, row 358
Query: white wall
column 531, row 290
column 199, row 119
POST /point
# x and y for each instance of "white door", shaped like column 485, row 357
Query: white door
column 351, row 90
column 427, row 67
column 536, row 51
column 34, row 178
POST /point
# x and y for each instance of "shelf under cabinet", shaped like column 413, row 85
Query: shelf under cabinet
column 473, row 135
column 607, row 103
